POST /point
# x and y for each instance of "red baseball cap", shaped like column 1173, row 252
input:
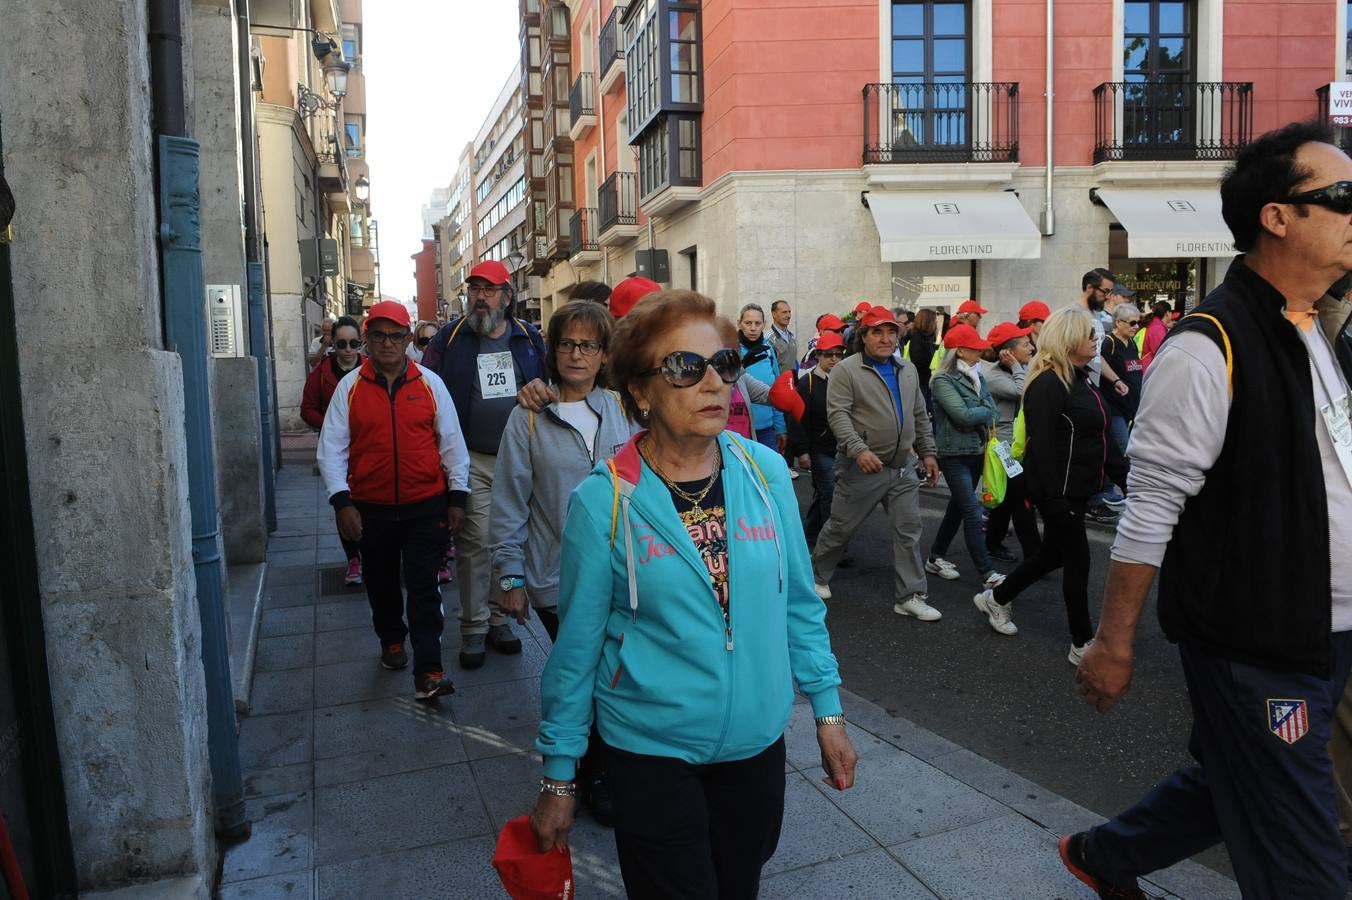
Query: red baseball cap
column 879, row 315
column 628, row 292
column 964, row 336
column 490, row 270
column 526, row 873
column 1035, row 311
column 971, row 306
column 387, row 309
column 829, row 322
column 1006, row 331
column 862, row 307
column 830, row 341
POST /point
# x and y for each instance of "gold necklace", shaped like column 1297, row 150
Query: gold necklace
column 693, row 499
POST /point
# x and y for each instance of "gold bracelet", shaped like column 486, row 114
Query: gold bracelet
column 830, row 720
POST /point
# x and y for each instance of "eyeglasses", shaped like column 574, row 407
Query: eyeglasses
column 484, row 290
column 384, row 337
column 831, row 354
column 1336, row 197
column 343, row 345
column 1104, row 290
column 684, row 368
column 424, row 341
column 588, row 348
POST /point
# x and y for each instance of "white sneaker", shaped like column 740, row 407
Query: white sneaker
column 1076, row 653
column 993, row 580
column 996, row 614
column 937, row 565
column 823, row 590
column 918, row 608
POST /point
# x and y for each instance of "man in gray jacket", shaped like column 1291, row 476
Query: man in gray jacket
column 877, row 413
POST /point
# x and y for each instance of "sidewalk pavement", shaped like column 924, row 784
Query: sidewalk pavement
column 358, row 791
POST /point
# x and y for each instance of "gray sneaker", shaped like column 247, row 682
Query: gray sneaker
column 472, row 651
column 502, row 639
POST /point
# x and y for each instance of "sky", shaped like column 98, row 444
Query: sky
column 433, row 69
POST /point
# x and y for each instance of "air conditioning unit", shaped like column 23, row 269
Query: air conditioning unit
column 225, row 321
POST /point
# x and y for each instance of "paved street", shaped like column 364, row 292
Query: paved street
column 357, row 791
column 1011, row 700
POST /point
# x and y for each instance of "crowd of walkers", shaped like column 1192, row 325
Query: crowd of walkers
column 626, row 476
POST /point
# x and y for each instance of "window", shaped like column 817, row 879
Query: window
column 931, row 53
column 506, row 203
column 355, row 230
column 1159, row 67
column 351, row 43
column 353, row 129
column 665, row 92
column 683, row 52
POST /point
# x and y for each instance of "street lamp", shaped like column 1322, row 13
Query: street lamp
column 335, row 79
column 361, row 189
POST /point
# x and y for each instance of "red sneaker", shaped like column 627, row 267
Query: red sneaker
column 353, row 571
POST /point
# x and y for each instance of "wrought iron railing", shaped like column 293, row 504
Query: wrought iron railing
column 1342, row 134
column 582, row 98
column 1172, row 120
column 964, row 121
column 582, row 231
column 609, row 44
column 616, row 202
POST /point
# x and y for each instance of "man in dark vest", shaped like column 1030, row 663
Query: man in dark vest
column 1241, row 499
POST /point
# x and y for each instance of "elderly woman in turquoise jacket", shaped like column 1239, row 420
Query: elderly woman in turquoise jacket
column 686, row 615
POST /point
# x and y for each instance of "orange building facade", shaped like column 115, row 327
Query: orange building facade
column 824, row 151
column 425, row 276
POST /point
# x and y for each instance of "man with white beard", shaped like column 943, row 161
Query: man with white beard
column 484, row 357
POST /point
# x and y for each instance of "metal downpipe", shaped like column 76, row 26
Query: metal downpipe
column 1048, row 211
column 184, row 292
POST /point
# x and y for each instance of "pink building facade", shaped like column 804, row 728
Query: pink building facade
column 826, row 151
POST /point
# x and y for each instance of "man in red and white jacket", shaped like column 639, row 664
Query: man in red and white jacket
column 397, row 472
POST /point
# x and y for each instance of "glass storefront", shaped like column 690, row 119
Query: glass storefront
column 1178, row 281
column 939, row 285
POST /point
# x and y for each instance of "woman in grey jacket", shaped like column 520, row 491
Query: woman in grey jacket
column 543, row 457
column 964, row 416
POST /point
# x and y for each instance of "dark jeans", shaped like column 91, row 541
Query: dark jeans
column 1269, row 797
column 1015, row 507
column 695, row 832
column 593, row 762
column 419, row 544
column 823, row 489
column 1064, row 546
column 964, row 508
column 769, row 437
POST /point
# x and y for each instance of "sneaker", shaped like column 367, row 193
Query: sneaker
column 996, row 614
column 502, row 639
column 1002, row 554
column 392, row 656
column 444, row 574
column 1113, row 499
column 916, row 607
column 1071, row 848
column 595, row 793
column 823, row 590
column 472, row 651
column 353, row 575
column 1100, row 513
column 992, row 579
column 937, row 565
column 431, row 684
column 1077, row 652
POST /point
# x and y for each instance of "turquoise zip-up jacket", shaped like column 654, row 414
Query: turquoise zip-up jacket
column 642, row 640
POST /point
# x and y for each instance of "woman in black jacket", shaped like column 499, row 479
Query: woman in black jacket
column 811, row 439
column 921, row 342
column 1068, row 456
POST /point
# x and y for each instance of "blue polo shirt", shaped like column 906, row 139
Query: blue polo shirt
column 888, row 370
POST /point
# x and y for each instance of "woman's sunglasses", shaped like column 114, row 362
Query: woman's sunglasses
column 424, row 341
column 684, row 368
column 1336, row 196
column 343, row 345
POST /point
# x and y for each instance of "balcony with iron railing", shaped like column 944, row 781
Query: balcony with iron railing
column 1171, row 120
column 617, row 208
column 582, row 106
column 611, row 46
column 1342, row 134
column 941, row 122
column 583, row 245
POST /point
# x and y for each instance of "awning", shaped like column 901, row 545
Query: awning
column 927, row 225
column 1171, row 223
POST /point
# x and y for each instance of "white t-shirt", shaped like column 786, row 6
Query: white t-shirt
column 583, row 419
column 1329, row 385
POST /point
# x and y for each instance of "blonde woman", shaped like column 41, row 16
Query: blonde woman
column 1067, row 458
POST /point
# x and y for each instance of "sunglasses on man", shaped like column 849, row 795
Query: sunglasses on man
column 684, row 368
column 1336, row 197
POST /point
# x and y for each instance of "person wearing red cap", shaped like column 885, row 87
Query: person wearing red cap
column 964, row 416
column 970, row 313
column 628, row 292
column 397, row 472
column 825, row 322
column 484, row 357
column 811, row 440
column 1005, row 376
column 1031, row 316
column 877, row 413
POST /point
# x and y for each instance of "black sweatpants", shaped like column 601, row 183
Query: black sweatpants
column 418, row 544
column 1014, row 508
column 687, row 832
column 1064, row 546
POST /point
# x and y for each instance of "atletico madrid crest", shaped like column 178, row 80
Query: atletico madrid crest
column 1288, row 719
